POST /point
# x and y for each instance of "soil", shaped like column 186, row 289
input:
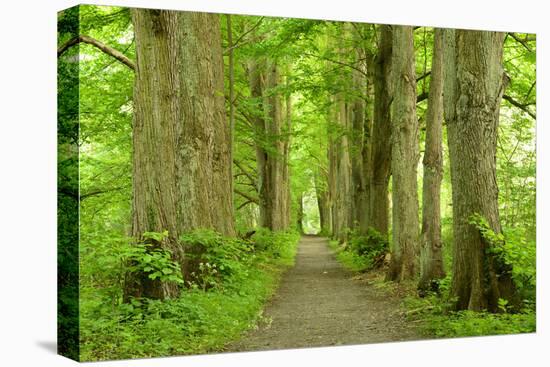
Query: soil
column 319, row 303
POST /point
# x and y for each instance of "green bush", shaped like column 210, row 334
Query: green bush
column 217, row 258
column 221, row 306
column 470, row 323
column 364, row 252
column 372, row 246
column 513, row 248
column 276, row 244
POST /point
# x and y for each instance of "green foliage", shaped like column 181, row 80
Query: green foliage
column 350, row 260
column 373, row 247
column 149, row 259
column 275, row 244
column 364, row 252
column 223, row 301
column 470, row 323
column 437, row 321
column 220, row 260
column 513, row 249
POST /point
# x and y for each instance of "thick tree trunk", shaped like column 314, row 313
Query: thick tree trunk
column 404, row 157
column 381, row 134
column 431, row 259
column 180, row 135
column 472, row 104
column 276, row 163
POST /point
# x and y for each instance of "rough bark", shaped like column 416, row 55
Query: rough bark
column 300, row 213
column 180, row 135
column 231, row 97
column 381, row 134
column 405, row 226
column 255, row 70
column 431, row 259
column 476, row 83
column 278, row 218
column 272, row 145
column 360, row 173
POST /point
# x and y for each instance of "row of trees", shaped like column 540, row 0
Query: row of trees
column 225, row 113
column 377, row 138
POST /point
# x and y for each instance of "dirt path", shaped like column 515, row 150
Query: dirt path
column 318, row 304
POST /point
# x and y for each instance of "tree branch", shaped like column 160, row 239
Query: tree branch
column 522, row 42
column 426, row 74
column 244, row 204
column 337, row 62
column 246, row 196
column 521, row 106
column 245, row 172
column 101, row 46
column 237, row 44
column 422, row 96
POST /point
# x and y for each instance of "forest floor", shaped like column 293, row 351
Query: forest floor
column 319, row 303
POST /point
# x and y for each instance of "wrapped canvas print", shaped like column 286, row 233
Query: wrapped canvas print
column 237, row 183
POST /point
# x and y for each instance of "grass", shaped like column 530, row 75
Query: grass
column 197, row 322
column 432, row 314
column 350, row 260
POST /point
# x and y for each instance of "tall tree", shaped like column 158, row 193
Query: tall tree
column 181, row 144
column 360, row 132
column 272, row 144
column 431, row 258
column 322, row 193
column 404, row 157
column 475, row 83
column 381, row 133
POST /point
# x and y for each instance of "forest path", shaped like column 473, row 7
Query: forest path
column 319, row 304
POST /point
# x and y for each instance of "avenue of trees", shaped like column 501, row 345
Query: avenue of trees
column 193, row 121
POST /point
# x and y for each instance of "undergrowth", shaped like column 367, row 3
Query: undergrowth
column 433, row 313
column 218, row 306
column 362, row 252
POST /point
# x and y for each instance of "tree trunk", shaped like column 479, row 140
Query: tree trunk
column 360, row 174
column 181, row 141
column 381, row 134
column 431, row 259
column 276, row 162
column 300, row 214
column 343, row 172
column 404, row 157
column 472, row 104
column 272, row 145
column 324, row 206
column 255, row 71
column 231, row 97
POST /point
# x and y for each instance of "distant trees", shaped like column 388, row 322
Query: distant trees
column 271, row 134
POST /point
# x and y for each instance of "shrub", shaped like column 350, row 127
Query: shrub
column 514, row 249
column 219, row 307
column 372, row 247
